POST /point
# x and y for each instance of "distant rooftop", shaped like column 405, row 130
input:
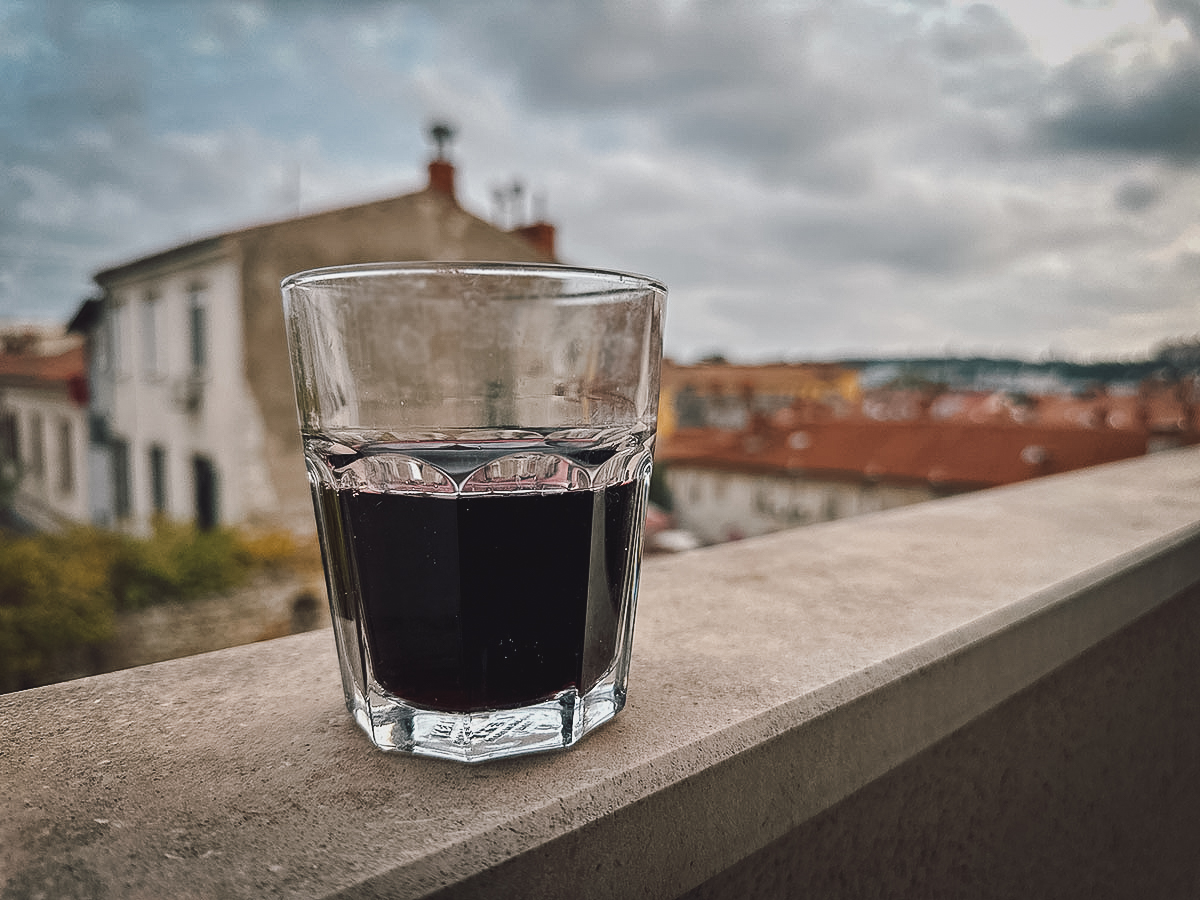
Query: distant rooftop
column 724, row 417
column 953, row 456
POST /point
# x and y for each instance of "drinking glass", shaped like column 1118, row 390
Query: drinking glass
column 478, row 439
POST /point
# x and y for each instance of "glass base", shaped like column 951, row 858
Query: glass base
column 553, row 724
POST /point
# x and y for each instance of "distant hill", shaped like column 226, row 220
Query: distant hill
column 1022, row 376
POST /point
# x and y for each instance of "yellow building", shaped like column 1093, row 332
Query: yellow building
column 727, row 396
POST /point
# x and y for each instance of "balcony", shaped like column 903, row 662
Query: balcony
column 992, row 695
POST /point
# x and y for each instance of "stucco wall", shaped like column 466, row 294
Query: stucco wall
column 424, row 226
column 46, row 498
column 718, row 505
column 1086, row 785
column 145, row 380
column 264, row 609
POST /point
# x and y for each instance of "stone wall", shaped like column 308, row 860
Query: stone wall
column 265, row 608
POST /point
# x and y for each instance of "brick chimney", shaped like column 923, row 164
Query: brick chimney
column 441, row 170
column 441, row 177
column 540, row 234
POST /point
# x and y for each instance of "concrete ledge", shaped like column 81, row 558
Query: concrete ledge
column 1085, row 785
column 772, row 680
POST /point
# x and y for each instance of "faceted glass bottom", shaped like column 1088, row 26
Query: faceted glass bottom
column 554, row 724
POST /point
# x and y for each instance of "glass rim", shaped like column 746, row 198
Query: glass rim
column 469, row 267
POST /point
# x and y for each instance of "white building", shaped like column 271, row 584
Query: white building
column 192, row 410
column 43, row 431
column 722, row 504
column 169, row 396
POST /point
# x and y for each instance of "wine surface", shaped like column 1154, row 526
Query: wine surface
column 483, row 600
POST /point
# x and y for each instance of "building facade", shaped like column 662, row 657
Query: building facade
column 727, row 396
column 717, row 504
column 192, row 415
column 43, row 432
column 814, row 462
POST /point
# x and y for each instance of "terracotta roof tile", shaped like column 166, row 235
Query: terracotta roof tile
column 61, row 371
column 59, row 367
column 954, row 455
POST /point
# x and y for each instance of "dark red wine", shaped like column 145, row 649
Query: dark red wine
column 484, row 601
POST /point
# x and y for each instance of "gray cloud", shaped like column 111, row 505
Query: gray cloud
column 1116, row 99
column 1137, row 194
column 806, row 178
column 762, row 93
column 1187, row 11
column 1162, row 118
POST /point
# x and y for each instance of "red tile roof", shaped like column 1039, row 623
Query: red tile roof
column 58, row 367
column 67, row 369
column 952, row 455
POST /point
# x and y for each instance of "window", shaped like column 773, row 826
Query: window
column 198, row 329
column 149, row 334
column 10, row 438
column 10, row 459
column 66, row 456
column 158, row 478
column 37, row 446
column 122, row 506
column 204, row 476
column 97, row 428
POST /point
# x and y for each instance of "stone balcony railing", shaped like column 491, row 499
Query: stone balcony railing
column 995, row 695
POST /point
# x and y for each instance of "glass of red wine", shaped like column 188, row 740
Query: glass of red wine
column 478, row 439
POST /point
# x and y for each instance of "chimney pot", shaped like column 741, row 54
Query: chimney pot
column 441, row 177
column 541, row 235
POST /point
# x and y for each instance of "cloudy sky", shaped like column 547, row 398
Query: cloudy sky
column 811, row 179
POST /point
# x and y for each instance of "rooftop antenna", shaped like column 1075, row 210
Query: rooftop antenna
column 442, row 134
column 517, row 191
column 507, row 200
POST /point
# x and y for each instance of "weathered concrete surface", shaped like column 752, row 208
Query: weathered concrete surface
column 772, row 679
column 1085, row 786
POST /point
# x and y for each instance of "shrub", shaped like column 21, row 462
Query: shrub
column 49, row 604
column 59, row 592
column 280, row 550
column 177, row 562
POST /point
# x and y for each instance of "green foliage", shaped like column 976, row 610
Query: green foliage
column 280, row 550
column 48, row 604
column 60, row 592
column 179, row 562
